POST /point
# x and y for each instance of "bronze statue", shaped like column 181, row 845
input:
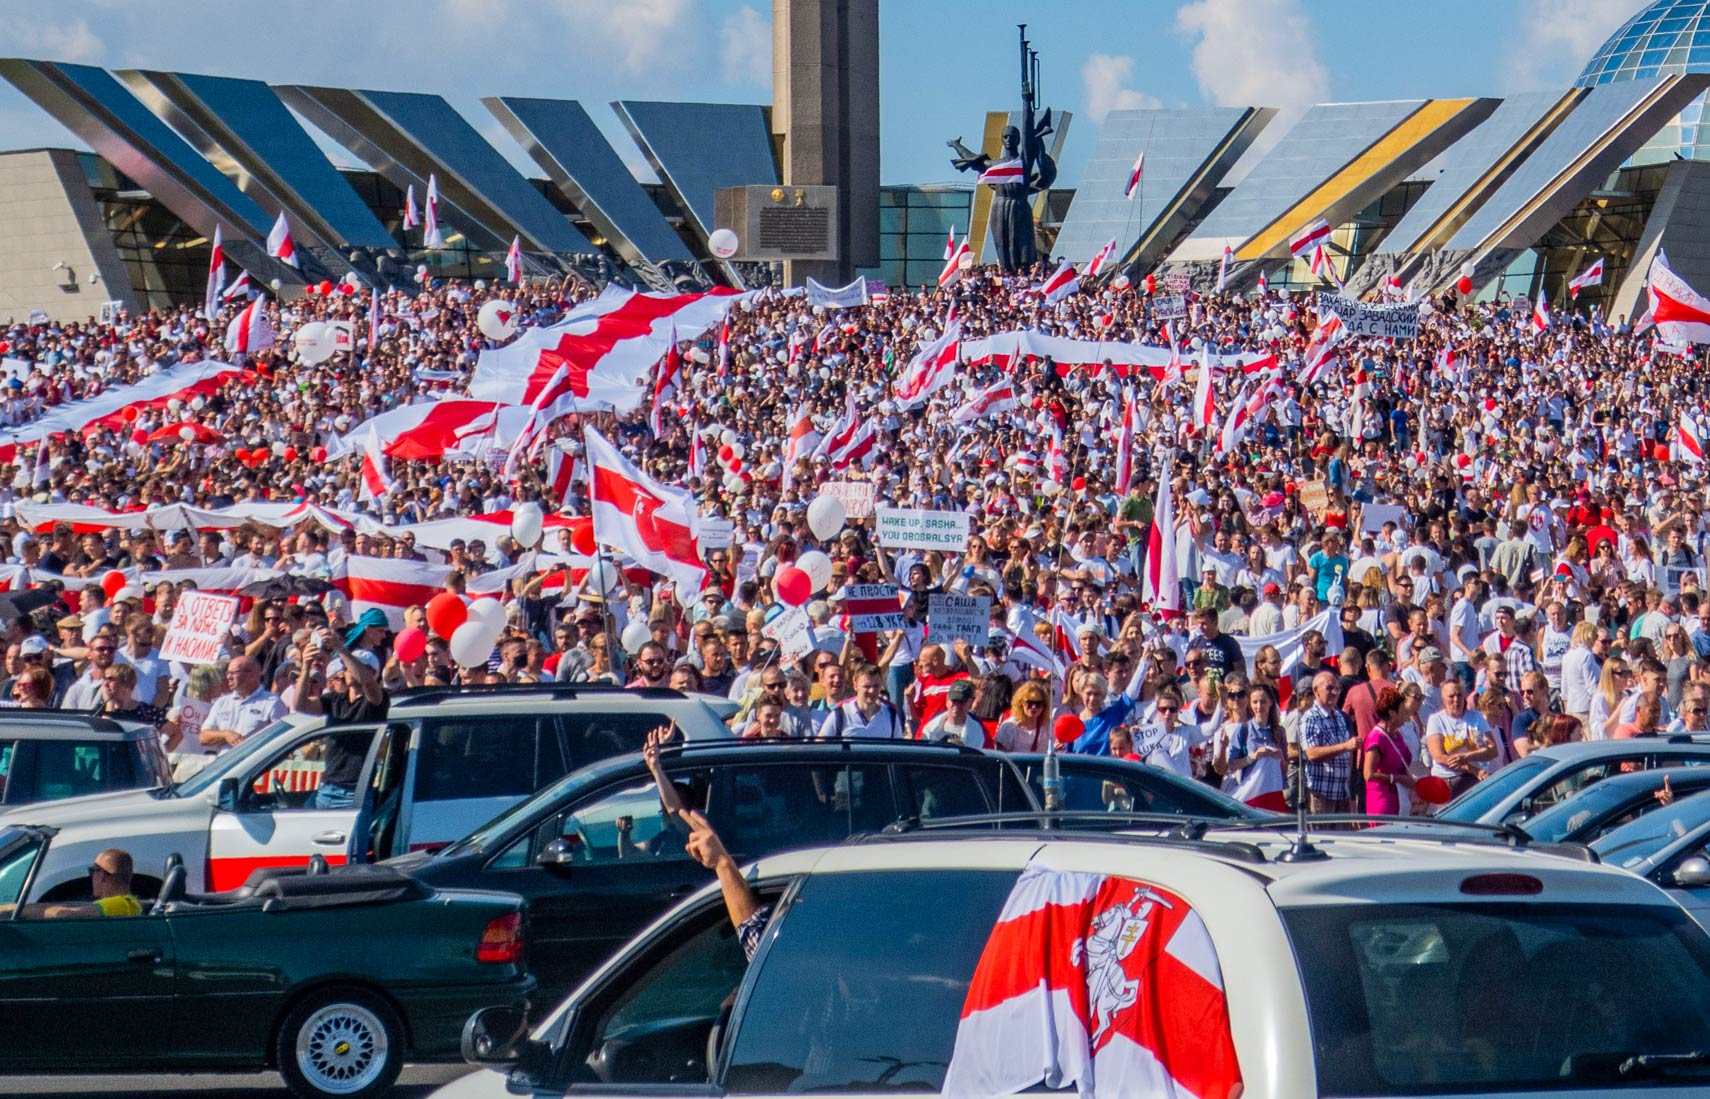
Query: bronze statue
column 1011, row 224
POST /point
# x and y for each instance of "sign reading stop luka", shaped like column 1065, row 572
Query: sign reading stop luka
column 780, row 222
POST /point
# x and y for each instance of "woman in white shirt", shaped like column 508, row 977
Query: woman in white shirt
column 1605, row 710
column 1581, row 672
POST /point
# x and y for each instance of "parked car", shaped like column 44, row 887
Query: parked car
column 444, row 761
column 598, row 858
column 1551, row 775
column 1615, row 801
column 1103, row 784
column 1363, row 966
column 1669, row 846
column 335, row 979
column 50, row 755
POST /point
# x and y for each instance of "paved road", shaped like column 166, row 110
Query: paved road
column 415, row 1083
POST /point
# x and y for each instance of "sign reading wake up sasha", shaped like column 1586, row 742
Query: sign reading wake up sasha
column 912, row 528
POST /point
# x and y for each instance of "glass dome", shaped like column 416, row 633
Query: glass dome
column 1667, row 36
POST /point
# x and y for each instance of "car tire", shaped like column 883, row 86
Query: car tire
column 340, row 1043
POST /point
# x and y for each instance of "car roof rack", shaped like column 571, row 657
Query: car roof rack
column 1174, row 828
column 417, row 695
column 847, row 743
column 1510, row 835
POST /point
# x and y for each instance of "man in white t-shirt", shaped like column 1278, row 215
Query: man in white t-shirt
column 1459, row 740
column 956, row 721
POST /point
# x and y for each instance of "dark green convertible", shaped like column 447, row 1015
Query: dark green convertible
column 334, row 978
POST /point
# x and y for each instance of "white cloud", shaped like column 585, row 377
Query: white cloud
column 1105, row 77
column 32, row 36
column 1559, row 39
column 746, row 40
column 1254, row 53
column 638, row 34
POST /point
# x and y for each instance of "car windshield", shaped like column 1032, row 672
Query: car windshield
column 1561, row 821
column 522, row 813
column 1493, row 791
column 227, row 762
column 1492, row 998
column 1641, row 840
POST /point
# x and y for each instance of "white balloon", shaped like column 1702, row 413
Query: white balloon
column 421, row 270
column 526, row 523
column 187, row 433
column 198, row 403
column 635, row 635
column 480, row 284
column 490, row 613
column 174, row 404
column 1426, row 308
column 738, row 451
column 472, row 643
column 274, row 283
column 723, row 243
column 604, row 577
column 497, row 320
column 1467, row 269
column 1121, row 282
column 825, row 517
column 818, row 567
column 966, row 263
column 727, row 437
column 279, row 450
column 315, row 342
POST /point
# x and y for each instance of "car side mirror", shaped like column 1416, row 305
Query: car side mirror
column 557, row 856
column 497, row 1037
column 1692, row 872
column 229, row 794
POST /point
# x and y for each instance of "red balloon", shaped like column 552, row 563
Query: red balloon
column 290, row 454
column 1464, row 285
column 793, row 585
column 1079, row 484
column 582, row 539
column 128, row 414
column 139, row 437
column 1432, row 790
column 326, row 288
column 1069, row 728
column 112, row 582
column 734, row 465
column 1463, row 460
column 412, row 643
column 241, row 454
column 725, row 454
column 446, row 612
column 1151, row 283
column 318, row 454
column 1662, row 452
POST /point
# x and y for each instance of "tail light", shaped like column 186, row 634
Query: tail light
column 1502, row 885
column 502, row 942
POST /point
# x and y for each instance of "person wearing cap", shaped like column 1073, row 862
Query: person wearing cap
column 1267, row 617
column 955, row 720
column 354, row 696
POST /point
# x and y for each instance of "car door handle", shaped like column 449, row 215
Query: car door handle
column 144, row 956
column 328, row 839
column 682, row 890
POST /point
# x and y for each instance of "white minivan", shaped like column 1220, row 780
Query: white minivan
column 1357, row 967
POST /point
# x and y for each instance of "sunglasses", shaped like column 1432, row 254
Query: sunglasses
column 1166, row 709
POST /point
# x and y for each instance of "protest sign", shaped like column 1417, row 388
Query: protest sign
column 1178, row 284
column 857, row 497
column 1169, row 307
column 914, row 528
column 1396, row 321
column 1374, row 516
column 715, row 533
column 952, row 618
column 872, row 607
column 792, row 631
column 1315, row 497
column 200, row 624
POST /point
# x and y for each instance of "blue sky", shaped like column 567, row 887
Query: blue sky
column 943, row 62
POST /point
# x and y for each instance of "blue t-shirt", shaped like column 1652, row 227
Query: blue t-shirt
column 1327, row 569
column 1095, row 740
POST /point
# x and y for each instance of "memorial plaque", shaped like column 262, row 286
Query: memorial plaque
column 779, row 222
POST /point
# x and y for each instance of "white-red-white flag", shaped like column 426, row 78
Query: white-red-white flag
column 649, row 521
column 242, row 287
column 953, row 264
column 390, row 585
column 1591, row 276
column 1161, row 588
column 1540, row 312
column 279, row 243
column 1321, row 348
column 373, row 319
column 535, row 424
column 250, row 331
column 1173, row 368
column 216, row 278
column 1316, row 233
column 376, row 475
column 432, row 238
column 513, row 262
column 560, row 475
column 1096, row 265
column 665, row 383
column 996, row 398
column 862, row 446
column 800, row 439
column 1264, row 284
column 412, row 218
column 1003, row 171
column 1063, row 282
column 1223, row 268
column 1134, row 175
column 724, row 348
column 1235, row 423
column 1680, row 313
column 1056, row 460
column 1324, row 266
column 950, row 245
column 931, row 369
column 1688, row 442
column 842, row 430
column 1125, row 437
column 1202, row 396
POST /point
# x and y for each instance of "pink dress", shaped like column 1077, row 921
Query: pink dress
column 1393, row 758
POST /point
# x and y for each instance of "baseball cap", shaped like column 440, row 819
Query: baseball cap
column 961, row 690
column 1430, row 654
column 33, row 645
column 1272, row 589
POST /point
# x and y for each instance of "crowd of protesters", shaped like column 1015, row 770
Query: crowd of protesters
column 1462, row 547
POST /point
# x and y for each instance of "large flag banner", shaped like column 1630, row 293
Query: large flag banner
column 1310, row 237
column 652, row 523
column 1102, row 984
column 1680, row 313
column 107, row 408
column 389, row 585
column 1292, row 643
column 837, row 297
column 930, row 370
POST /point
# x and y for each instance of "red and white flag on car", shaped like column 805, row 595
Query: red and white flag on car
column 216, row 278
column 431, row 236
column 1134, row 176
column 513, row 262
column 649, row 521
column 279, row 243
column 1591, row 276
column 1102, row 984
column 1541, row 312
column 376, row 478
column 1063, row 282
column 249, row 331
column 1688, row 442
